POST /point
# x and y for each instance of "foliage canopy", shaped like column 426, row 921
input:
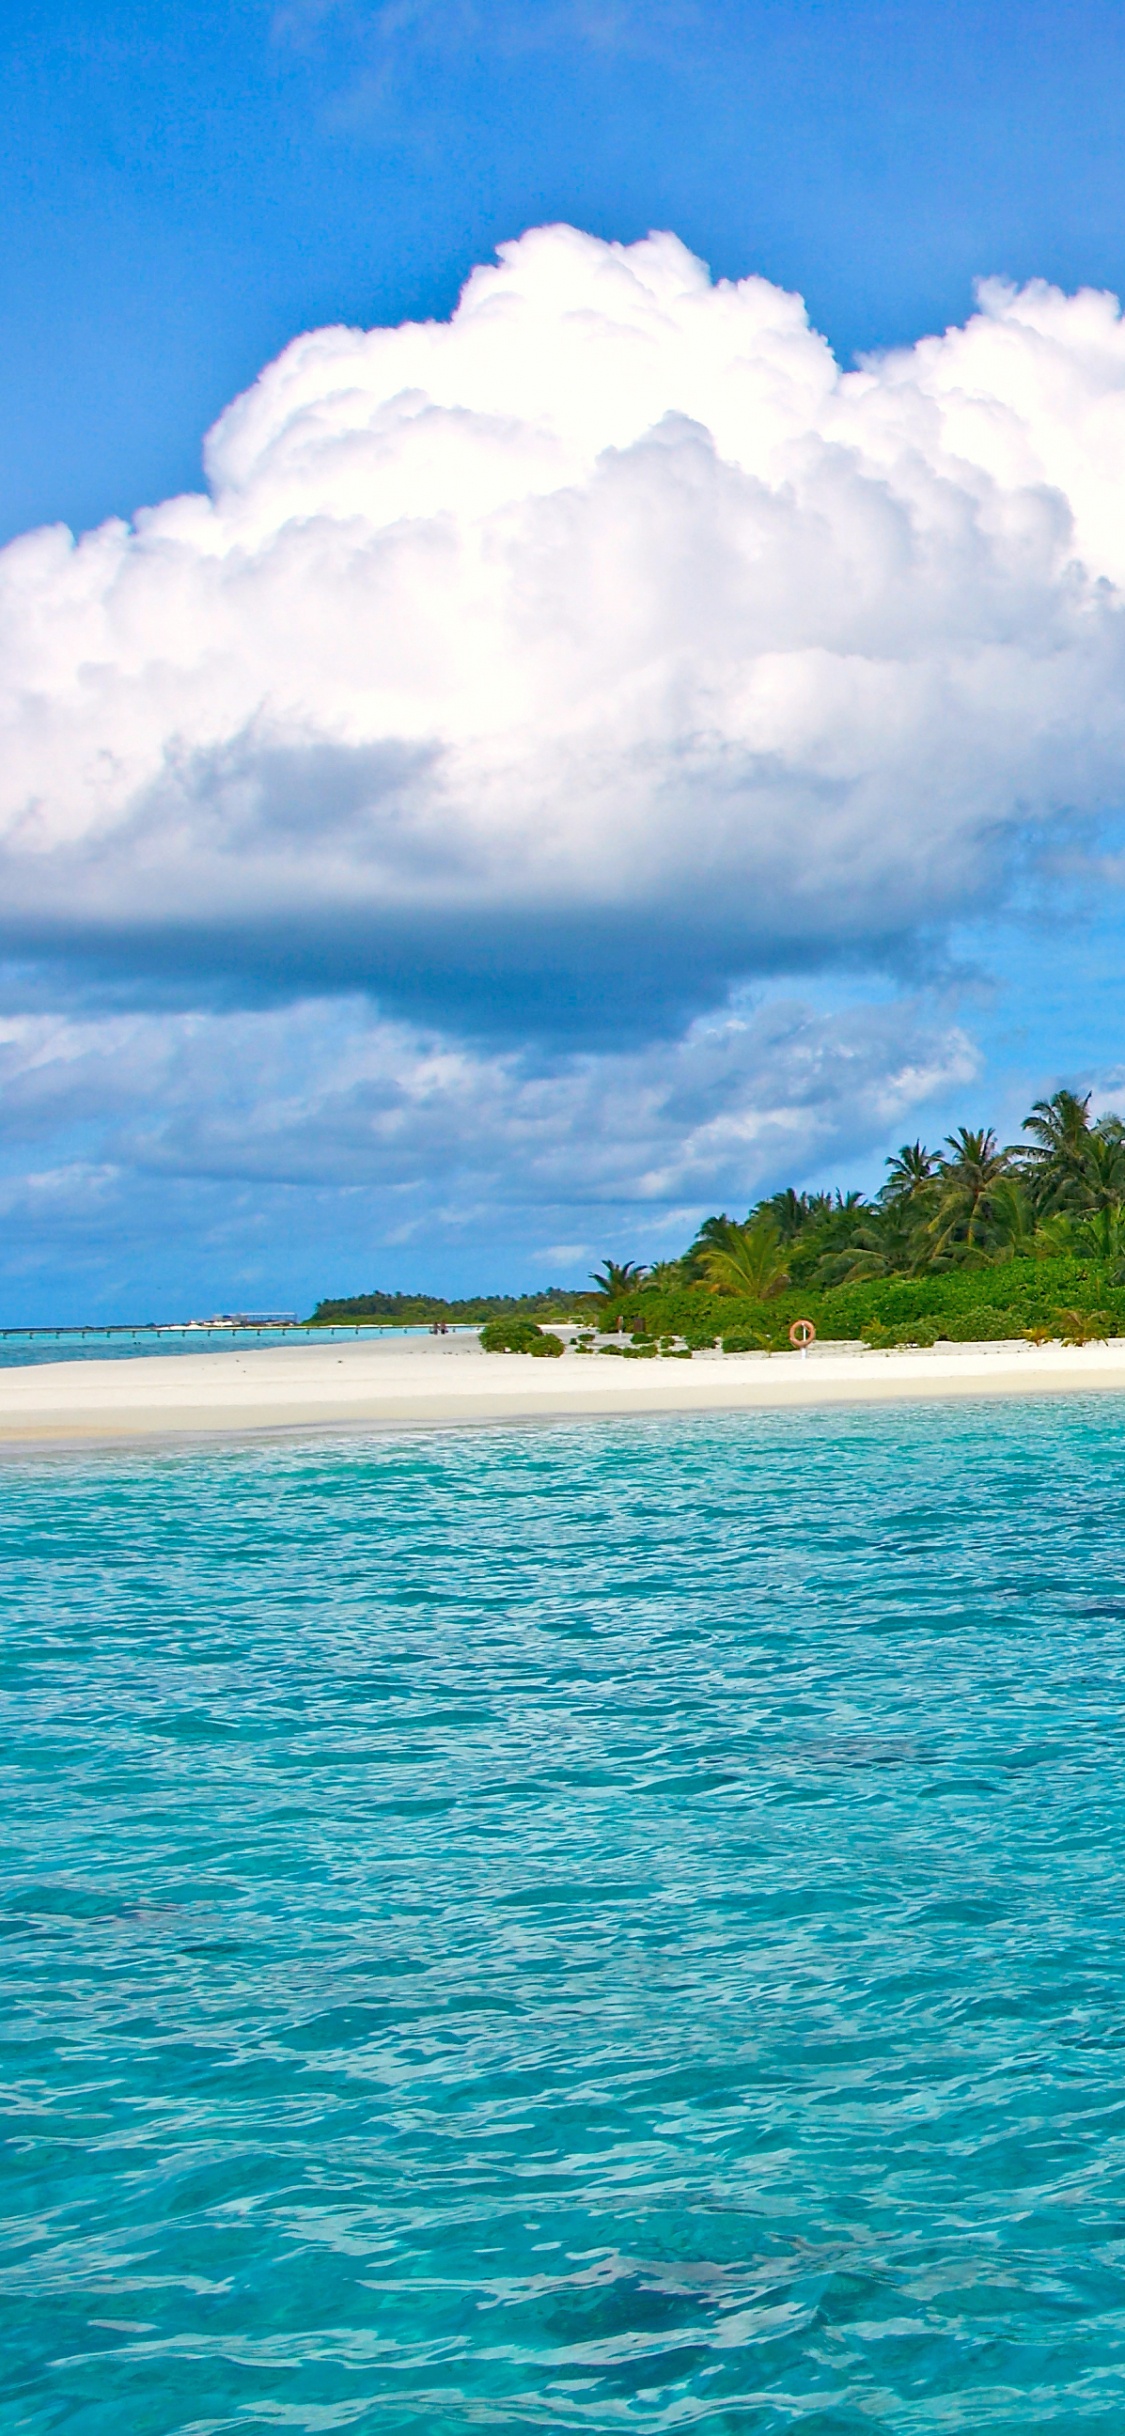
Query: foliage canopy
column 970, row 1240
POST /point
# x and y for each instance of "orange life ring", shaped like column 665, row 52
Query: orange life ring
column 802, row 1334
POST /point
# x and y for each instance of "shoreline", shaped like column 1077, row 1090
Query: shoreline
column 432, row 1383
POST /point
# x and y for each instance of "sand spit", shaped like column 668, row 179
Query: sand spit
column 416, row 1381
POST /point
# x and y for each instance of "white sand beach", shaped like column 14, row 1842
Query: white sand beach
column 423, row 1380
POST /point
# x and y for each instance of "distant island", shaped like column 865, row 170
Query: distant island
column 421, row 1310
column 969, row 1243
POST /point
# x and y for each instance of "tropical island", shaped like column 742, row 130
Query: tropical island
column 973, row 1242
column 974, row 1270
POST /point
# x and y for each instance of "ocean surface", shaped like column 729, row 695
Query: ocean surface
column 19, row 1347
column 605, row 1927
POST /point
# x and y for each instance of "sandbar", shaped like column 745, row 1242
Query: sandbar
column 411, row 1382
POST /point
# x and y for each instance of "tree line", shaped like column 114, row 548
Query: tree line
column 1060, row 1193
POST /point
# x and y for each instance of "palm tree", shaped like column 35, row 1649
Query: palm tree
column 794, row 1213
column 1056, row 1236
column 666, row 1276
column 789, row 1211
column 967, row 1180
column 907, row 1203
column 717, row 1234
column 617, row 1278
column 1061, row 1126
column 885, row 1241
column 1012, row 1233
column 1102, row 1232
column 747, row 1260
column 1101, row 1185
column 1054, row 1161
column 910, row 1174
column 835, row 1227
column 712, row 1234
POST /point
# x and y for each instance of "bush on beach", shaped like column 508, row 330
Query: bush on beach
column 519, row 1336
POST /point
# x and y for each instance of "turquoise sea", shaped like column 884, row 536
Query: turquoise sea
column 608, row 1927
column 21, row 1347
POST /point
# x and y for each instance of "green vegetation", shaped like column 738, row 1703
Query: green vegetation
column 967, row 1243
column 617, row 1278
column 517, row 1335
column 421, row 1310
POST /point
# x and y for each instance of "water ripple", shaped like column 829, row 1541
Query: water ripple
column 600, row 1927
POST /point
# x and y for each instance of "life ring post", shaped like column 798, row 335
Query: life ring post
column 802, row 1334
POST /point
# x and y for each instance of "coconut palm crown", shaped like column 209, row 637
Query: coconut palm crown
column 616, row 1278
column 747, row 1260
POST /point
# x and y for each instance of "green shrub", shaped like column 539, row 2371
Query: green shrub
column 977, row 1327
column 518, row 1336
column 743, row 1340
column 964, row 1304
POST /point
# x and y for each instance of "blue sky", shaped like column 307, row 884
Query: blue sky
column 186, row 188
column 266, row 1101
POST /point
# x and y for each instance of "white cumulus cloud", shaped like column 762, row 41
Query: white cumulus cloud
column 427, row 795
column 610, row 611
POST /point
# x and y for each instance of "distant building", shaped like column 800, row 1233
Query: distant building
column 255, row 1319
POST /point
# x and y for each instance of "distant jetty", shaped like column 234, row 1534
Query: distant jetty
column 134, row 1328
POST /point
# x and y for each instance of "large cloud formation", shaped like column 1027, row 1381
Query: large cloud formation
column 411, row 823
column 608, row 637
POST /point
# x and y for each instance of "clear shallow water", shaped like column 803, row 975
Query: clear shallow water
column 19, row 1348
column 605, row 1928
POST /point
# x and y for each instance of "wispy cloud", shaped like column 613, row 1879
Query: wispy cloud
column 381, row 33
column 438, row 1137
